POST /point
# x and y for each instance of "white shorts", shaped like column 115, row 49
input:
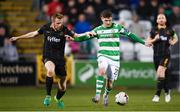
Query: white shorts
column 111, row 67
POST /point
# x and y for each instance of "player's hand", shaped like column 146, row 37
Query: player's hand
column 90, row 34
column 171, row 42
column 69, row 38
column 157, row 37
column 13, row 38
column 148, row 43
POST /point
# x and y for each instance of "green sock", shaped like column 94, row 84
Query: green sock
column 99, row 84
column 107, row 91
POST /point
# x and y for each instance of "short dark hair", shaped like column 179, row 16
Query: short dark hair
column 57, row 15
column 106, row 14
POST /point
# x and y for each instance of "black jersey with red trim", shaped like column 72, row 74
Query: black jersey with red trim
column 161, row 46
column 54, row 41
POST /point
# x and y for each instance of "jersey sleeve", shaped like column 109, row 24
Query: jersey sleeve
column 95, row 31
column 41, row 30
column 171, row 32
column 130, row 35
column 70, row 32
column 152, row 33
column 123, row 30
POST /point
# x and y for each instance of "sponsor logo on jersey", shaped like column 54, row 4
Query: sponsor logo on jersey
column 53, row 39
column 107, row 31
column 163, row 38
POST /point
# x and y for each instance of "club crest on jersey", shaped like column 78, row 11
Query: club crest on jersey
column 53, row 39
column 61, row 34
column 163, row 38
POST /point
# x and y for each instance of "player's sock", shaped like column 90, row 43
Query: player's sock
column 166, row 85
column 107, row 91
column 60, row 93
column 58, row 97
column 160, row 85
column 99, row 84
column 49, row 82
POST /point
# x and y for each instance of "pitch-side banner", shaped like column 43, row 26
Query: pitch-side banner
column 17, row 73
column 132, row 74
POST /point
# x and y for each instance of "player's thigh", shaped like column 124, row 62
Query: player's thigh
column 163, row 66
column 102, row 65
column 60, row 71
column 50, row 67
column 113, row 72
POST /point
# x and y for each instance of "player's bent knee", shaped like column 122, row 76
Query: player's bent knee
column 50, row 73
column 63, row 88
column 102, row 72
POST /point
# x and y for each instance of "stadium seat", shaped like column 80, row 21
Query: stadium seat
column 144, row 54
column 147, row 27
column 127, row 49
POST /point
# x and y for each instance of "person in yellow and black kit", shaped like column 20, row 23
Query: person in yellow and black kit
column 162, row 37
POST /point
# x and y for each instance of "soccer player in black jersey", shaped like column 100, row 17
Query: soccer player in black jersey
column 162, row 37
column 53, row 54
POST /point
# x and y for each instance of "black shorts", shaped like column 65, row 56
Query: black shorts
column 161, row 60
column 60, row 69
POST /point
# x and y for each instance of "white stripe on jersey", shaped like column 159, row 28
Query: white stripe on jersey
column 99, row 86
column 100, row 81
column 109, row 48
column 113, row 57
column 108, row 40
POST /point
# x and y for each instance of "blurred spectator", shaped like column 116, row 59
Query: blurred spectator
column 80, row 27
column 42, row 7
column 99, row 6
column 154, row 9
column 143, row 10
column 67, row 23
column 4, row 32
column 174, row 18
column 71, row 46
column 134, row 4
column 125, row 18
column 91, row 16
column 9, row 51
column 136, row 27
column 72, row 11
column 123, row 4
column 111, row 4
column 55, row 7
column 161, row 10
column 81, row 5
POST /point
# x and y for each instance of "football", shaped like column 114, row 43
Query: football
column 121, row 98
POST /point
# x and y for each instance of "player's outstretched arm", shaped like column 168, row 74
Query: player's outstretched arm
column 28, row 35
column 136, row 38
column 84, row 36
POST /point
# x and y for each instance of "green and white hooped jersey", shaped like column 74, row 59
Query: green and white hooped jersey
column 109, row 41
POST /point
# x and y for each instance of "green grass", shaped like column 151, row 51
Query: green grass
column 30, row 98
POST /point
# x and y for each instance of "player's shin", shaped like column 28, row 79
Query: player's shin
column 99, row 85
column 108, row 87
column 160, row 85
column 49, row 83
column 60, row 94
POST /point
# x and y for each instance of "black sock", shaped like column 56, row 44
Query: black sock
column 166, row 85
column 60, row 93
column 160, row 86
column 49, row 82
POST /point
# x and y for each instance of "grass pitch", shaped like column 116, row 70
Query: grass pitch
column 79, row 99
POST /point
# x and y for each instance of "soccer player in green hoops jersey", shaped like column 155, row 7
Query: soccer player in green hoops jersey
column 108, row 35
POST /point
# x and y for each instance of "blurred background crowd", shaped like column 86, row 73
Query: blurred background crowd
column 21, row 16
